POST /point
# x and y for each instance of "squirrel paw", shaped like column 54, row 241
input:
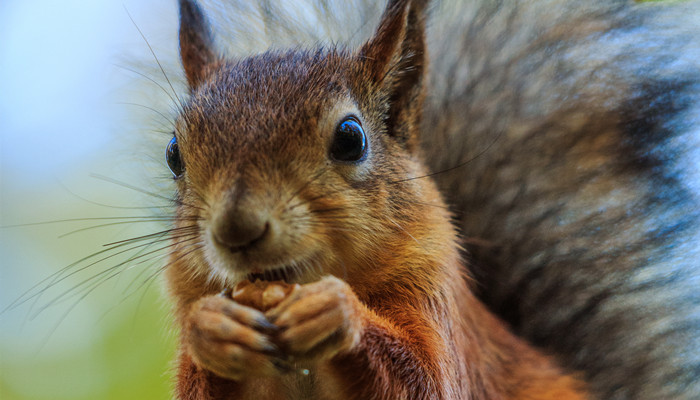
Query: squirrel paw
column 232, row 340
column 318, row 320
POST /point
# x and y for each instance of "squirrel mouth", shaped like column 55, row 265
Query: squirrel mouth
column 286, row 273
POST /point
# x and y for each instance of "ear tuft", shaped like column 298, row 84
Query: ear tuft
column 395, row 62
column 196, row 42
column 380, row 50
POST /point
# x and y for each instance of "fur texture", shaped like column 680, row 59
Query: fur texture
column 259, row 196
column 576, row 128
column 581, row 121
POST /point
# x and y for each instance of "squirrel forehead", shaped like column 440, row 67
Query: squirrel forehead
column 275, row 101
column 269, row 87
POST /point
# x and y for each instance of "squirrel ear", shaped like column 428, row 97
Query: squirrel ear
column 394, row 60
column 196, row 42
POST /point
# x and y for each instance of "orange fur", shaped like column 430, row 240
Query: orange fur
column 402, row 322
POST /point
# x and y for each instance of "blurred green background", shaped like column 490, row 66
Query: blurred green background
column 66, row 88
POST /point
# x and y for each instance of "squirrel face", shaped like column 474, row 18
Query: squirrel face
column 290, row 168
column 297, row 164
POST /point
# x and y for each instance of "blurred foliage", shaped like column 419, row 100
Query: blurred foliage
column 131, row 361
column 116, row 342
column 66, row 73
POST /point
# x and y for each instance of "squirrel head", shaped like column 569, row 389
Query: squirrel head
column 295, row 164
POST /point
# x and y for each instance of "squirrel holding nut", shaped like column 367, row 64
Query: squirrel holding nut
column 313, row 254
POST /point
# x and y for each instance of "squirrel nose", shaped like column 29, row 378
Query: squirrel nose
column 239, row 230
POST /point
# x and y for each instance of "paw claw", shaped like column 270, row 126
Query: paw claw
column 317, row 321
column 231, row 340
column 266, row 326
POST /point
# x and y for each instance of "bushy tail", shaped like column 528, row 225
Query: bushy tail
column 577, row 129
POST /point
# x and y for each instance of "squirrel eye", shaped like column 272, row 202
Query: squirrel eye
column 349, row 142
column 172, row 156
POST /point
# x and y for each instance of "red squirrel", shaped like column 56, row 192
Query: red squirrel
column 304, row 166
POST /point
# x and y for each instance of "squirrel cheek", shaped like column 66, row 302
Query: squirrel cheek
column 356, row 173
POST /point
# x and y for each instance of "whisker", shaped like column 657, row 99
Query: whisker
column 150, row 235
column 198, row 245
column 169, row 119
column 128, row 186
column 56, row 281
column 433, row 205
column 126, row 296
column 65, row 314
column 460, row 165
column 59, row 276
column 200, row 197
column 63, row 221
column 126, row 290
column 150, row 79
column 108, row 205
column 305, row 185
column 61, row 297
column 26, row 296
column 155, row 57
column 115, row 223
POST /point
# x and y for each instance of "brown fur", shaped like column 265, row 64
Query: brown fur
column 402, row 322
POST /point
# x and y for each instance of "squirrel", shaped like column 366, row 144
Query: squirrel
column 565, row 148
column 305, row 167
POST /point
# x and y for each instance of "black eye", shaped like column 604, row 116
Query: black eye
column 172, row 156
column 350, row 142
